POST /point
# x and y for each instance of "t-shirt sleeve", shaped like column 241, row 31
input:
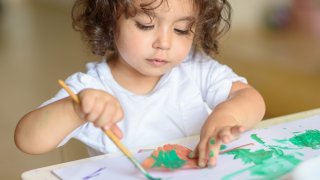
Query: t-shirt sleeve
column 215, row 80
column 219, row 83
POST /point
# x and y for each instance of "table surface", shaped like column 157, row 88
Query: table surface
column 45, row 172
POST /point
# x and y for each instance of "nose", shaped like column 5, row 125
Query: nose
column 162, row 40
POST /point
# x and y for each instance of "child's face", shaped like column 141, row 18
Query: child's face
column 152, row 47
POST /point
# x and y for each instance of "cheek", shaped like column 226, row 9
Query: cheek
column 131, row 43
column 182, row 48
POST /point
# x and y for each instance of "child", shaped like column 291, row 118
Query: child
column 153, row 84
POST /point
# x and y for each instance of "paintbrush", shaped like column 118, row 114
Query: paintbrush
column 112, row 137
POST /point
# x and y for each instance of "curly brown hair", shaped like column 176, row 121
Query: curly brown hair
column 96, row 19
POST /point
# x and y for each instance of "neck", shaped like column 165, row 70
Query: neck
column 131, row 79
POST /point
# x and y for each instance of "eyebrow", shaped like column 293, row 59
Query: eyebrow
column 187, row 18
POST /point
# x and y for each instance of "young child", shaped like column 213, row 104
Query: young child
column 153, row 85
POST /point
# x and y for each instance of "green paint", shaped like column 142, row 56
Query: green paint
column 272, row 162
column 212, row 141
column 283, row 147
column 257, row 157
column 223, row 147
column 211, row 154
column 310, row 138
column 168, row 159
column 300, row 154
column 256, row 138
column 191, row 155
column 272, row 168
column 282, row 141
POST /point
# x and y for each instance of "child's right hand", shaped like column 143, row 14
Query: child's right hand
column 100, row 108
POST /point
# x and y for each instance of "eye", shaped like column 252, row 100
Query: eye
column 144, row 27
column 182, row 32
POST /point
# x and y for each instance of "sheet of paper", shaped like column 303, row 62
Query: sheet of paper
column 276, row 151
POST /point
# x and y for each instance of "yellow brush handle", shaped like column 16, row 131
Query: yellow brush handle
column 117, row 142
column 73, row 96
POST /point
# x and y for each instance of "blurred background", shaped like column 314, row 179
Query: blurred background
column 274, row 43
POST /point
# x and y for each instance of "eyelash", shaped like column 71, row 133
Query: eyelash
column 143, row 27
column 146, row 28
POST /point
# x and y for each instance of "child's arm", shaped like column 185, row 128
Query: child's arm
column 43, row 129
column 244, row 108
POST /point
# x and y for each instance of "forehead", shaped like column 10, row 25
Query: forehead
column 158, row 7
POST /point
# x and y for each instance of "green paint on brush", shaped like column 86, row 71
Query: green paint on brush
column 223, row 147
column 149, row 177
column 310, row 138
column 256, row 138
column 212, row 141
column 168, row 159
column 211, row 154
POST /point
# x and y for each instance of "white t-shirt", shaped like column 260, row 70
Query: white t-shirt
column 175, row 108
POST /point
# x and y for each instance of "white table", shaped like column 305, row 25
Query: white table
column 45, row 172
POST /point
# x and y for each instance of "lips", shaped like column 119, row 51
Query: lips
column 157, row 62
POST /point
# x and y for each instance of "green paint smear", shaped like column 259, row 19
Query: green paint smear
column 272, row 168
column 223, row 147
column 256, row 157
column 168, row 159
column 311, row 138
column 282, row 141
column 272, row 163
column 212, row 141
column 211, row 154
column 256, row 138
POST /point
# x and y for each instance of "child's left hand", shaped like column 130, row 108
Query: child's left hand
column 213, row 134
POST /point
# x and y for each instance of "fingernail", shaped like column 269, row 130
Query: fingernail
column 191, row 155
column 202, row 164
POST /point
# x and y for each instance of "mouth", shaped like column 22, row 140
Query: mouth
column 158, row 62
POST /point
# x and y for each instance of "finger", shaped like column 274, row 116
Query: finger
column 87, row 103
column 194, row 154
column 213, row 152
column 236, row 131
column 225, row 135
column 95, row 112
column 117, row 131
column 241, row 129
column 119, row 114
column 105, row 120
column 203, row 152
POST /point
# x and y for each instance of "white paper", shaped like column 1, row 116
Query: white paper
column 122, row 168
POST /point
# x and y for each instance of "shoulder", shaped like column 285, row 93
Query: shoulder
column 89, row 79
column 198, row 61
column 200, row 65
column 81, row 80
